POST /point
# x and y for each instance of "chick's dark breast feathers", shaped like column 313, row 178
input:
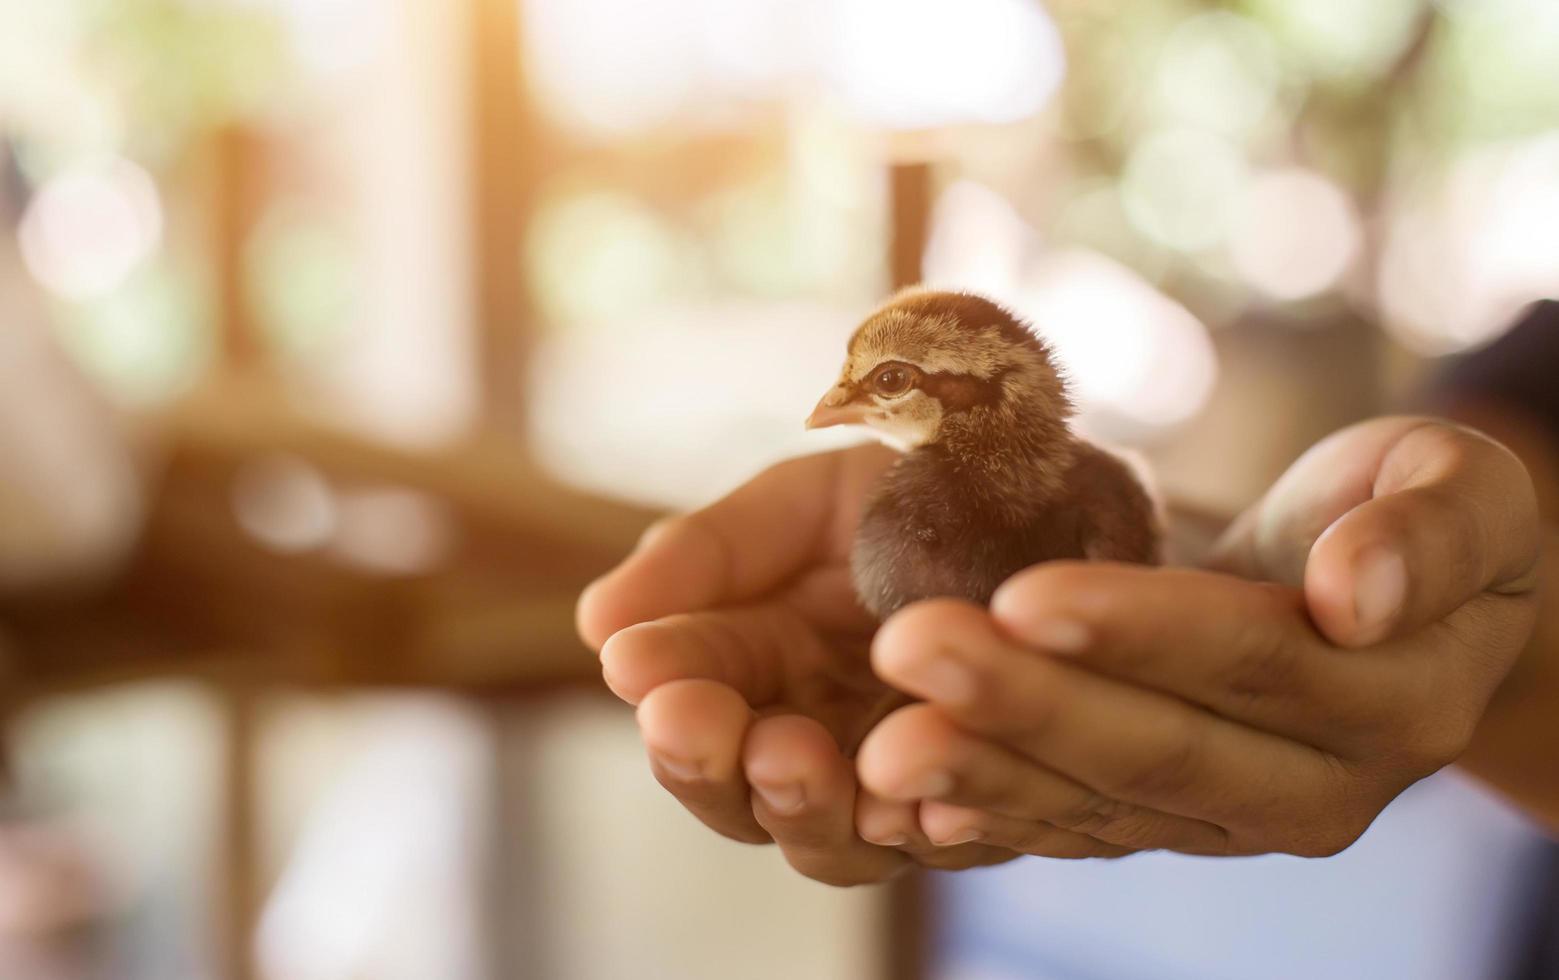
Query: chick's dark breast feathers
column 920, row 537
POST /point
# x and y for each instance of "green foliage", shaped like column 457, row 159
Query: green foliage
column 177, row 67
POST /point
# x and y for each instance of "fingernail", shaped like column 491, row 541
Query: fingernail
column 960, row 837
column 1063, row 636
column 944, row 679
column 887, row 840
column 784, row 798
column 930, row 785
column 682, row 769
column 1380, row 589
column 1053, row 634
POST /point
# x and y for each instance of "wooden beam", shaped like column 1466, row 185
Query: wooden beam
column 201, row 593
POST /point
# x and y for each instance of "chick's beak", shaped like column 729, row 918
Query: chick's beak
column 836, row 408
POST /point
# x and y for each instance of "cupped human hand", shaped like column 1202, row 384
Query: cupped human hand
column 736, row 632
column 1359, row 619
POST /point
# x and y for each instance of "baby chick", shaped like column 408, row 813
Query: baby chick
column 992, row 479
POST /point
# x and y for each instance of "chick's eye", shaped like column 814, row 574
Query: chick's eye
column 891, row 381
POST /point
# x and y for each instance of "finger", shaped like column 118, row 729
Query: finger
column 1271, row 540
column 949, row 823
column 1452, row 515
column 740, row 647
column 1245, row 650
column 737, row 548
column 897, row 824
column 693, row 731
column 803, row 794
column 919, row 753
column 889, row 823
column 1124, row 742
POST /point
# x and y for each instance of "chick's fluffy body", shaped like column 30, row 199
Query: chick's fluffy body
column 993, row 480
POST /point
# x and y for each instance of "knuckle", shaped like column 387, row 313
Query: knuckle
column 1022, row 706
column 1335, row 817
column 1095, row 815
column 1489, row 632
column 700, row 526
column 1422, row 730
column 1435, row 448
column 1267, row 666
column 1036, row 838
column 1369, row 701
column 1439, row 742
column 1173, row 771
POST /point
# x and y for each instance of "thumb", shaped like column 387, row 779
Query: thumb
column 1451, row 514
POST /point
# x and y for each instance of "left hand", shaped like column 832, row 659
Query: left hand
column 1213, row 714
column 736, row 632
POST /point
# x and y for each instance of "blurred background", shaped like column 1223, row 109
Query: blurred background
column 406, row 316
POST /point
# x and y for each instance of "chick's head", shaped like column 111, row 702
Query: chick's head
column 929, row 365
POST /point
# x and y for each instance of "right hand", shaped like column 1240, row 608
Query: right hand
column 736, row 631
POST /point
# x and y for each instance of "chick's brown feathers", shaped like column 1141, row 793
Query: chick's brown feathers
column 992, row 480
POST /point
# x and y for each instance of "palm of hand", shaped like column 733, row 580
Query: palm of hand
column 824, row 671
column 800, row 646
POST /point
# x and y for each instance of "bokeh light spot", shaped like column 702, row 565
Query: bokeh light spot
column 924, row 63
column 1219, row 71
column 1463, row 255
column 1181, row 187
column 89, row 227
column 978, row 240
column 1342, row 39
column 1129, row 350
column 284, row 503
column 393, row 530
column 1296, row 235
column 301, row 277
column 602, row 254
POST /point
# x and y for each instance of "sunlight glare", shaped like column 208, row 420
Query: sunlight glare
column 1296, row 235
column 1128, row 349
column 88, row 228
column 921, row 64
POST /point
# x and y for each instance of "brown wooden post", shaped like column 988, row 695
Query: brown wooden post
column 906, row 946
column 237, row 203
column 505, row 150
column 505, row 146
column 240, row 874
column 909, row 190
